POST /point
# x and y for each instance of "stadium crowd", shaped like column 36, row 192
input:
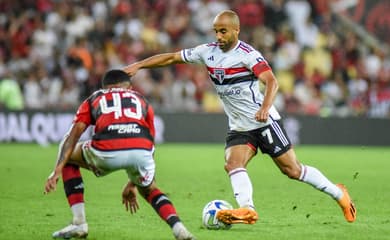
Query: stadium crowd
column 53, row 54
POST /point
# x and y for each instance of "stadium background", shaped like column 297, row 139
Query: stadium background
column 331, row 57
column 41, row 83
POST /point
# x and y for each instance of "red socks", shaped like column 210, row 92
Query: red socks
column 163, row 206
column 73, row 184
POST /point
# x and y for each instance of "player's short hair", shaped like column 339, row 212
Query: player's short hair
column 232, row 15
column 115, row 76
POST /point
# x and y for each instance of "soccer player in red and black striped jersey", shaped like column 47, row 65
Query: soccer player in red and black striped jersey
column 237, row 71
column 123, row 139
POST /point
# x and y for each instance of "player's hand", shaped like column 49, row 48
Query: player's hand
column 131, row 69
column 262, row 115
column 51, row 182
column 129, row 198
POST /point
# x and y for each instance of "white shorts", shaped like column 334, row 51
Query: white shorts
column 138, row 163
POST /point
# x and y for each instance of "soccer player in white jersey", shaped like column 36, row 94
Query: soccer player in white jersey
column 236, row 69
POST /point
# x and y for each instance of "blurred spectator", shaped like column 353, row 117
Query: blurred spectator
column 57, row 52
column 308, row 97
column 176, row 20
column 183, row 92
column 286, row 57
column 203, row 13
column 11, row 97
column 79, row 25
column 358, row 95
column 70, row 93
column 80, row 54
column 307, row 34
column 33, row 92
column 54, row 88
column 251, row 13
column 298, row 12
column 373, row 62
column 317, row 61
column 334, row 95
column 275, row 15
column 43, row 41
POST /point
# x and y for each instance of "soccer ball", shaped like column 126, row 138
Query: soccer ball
column 209, row 215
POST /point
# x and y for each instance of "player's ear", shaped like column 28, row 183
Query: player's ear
column 129, row 86
column 125, row 85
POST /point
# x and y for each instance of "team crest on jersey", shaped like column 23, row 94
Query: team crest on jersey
column 219, row 73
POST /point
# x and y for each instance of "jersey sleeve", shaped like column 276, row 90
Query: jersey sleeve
column 150, row 120
column 83, row 114
column 194, row 55
column 256, row 63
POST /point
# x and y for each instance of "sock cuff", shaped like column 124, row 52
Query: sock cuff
column 303, row 172
column 172, row 220
column 236, row 171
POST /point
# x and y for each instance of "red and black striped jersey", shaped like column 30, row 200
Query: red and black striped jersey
column 123, row 119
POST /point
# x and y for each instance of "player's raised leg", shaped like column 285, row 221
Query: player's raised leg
column 237, row 157
column 290, row 166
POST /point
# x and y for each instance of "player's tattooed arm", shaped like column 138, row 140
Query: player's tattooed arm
column 64, row 154
column 68, row 144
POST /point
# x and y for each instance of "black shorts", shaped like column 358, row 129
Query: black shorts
column 271, row 139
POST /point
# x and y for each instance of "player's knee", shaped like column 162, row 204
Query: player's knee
column 229, row 166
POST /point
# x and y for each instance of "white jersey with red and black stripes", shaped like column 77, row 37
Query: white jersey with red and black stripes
column 235, row 77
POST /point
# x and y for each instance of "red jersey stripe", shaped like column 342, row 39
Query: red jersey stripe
column 228, row 71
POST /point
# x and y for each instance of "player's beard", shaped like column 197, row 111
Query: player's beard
column 224, row 45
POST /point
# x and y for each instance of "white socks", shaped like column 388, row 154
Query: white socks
column 314, row 177
column 243, row 190
column 242, row 187
column 78, row 211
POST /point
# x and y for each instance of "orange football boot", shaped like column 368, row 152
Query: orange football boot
column 239, row 215
column 346, row 204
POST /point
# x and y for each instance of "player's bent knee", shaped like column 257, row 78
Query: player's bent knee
column 229, row 166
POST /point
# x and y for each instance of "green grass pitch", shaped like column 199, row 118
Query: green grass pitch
column 192, row 175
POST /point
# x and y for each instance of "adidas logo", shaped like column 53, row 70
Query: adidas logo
column 211, row 58
column 277, row 149
column 80, row 186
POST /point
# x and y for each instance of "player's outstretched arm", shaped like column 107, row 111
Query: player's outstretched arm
column 159, row 60
column 65, row 152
